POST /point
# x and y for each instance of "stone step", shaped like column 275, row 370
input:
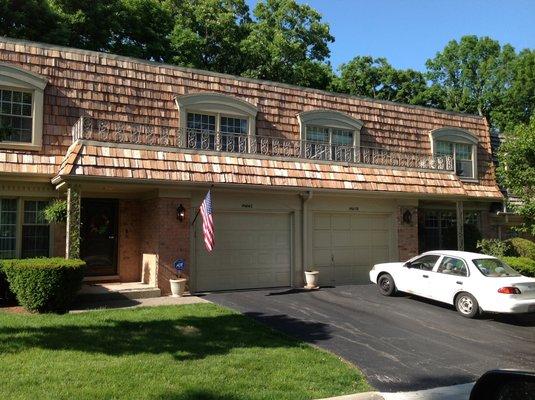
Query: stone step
column 97, row 292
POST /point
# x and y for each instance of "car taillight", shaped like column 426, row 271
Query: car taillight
column 509, row 290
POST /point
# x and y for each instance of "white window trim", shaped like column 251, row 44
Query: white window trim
column 216, row 104
column 329, row 119
column 457, row 135
column 16, row 78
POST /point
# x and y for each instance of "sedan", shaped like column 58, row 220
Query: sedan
column 473, row 283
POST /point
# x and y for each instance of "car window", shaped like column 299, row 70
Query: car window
column 452, row 266
column 425, row 263
column 493, row 267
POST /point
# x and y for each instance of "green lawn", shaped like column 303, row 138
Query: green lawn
column 199, row 351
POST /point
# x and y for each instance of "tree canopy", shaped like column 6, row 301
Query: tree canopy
column 517, row 170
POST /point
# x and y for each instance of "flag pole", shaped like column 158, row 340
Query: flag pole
column 199, row 209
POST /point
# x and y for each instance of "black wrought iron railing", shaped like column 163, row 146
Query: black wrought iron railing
column 110, row 131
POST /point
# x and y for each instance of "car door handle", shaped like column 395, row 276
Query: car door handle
column 459, row 283
column 425, row 276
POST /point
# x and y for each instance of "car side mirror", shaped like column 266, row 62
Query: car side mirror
column 504, row 385
column 407, row 264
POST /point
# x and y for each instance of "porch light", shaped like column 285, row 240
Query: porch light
column 180, row 213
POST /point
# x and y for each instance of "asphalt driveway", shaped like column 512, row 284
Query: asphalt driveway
column 400, row 343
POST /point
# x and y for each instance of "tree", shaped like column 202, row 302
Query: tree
column 517, row 170
column 376, row 78
column 470, row 75
column 518, row 100
column 207, row 34
column 288, row 43
column 31, row 20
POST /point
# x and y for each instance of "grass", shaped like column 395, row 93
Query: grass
column 199, row 351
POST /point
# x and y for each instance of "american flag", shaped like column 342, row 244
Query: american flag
column 207, row 222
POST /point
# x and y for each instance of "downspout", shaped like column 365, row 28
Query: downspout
column 305, row 197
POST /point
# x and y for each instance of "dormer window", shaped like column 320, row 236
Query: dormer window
column 329, row 135
column 21, row 108
column 461, row 145
column 213, row 121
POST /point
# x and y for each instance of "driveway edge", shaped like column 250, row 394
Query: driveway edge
column 358, row 396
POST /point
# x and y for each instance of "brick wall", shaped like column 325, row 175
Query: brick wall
column 407, row 234
column 129, row 254
column 162, row 234
column 59, row 240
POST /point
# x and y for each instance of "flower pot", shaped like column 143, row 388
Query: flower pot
column 311, row 278
column 178, row 286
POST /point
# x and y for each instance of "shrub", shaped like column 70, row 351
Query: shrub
column 56, row 211
column 519, row 247
column 492, row 247
column 524, row 265
column 44, row 284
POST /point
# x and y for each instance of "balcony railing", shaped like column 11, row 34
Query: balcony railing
column 116, row 132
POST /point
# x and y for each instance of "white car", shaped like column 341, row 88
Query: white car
column 472, row 282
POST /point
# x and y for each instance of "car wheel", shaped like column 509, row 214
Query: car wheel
column 386, row 285
column 467, row 305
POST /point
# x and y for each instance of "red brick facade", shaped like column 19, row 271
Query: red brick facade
column 129, row 232
column 164, row 235
column 407, row 233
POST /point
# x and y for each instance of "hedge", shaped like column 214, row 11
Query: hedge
column 44, row 284
column 519, row 247
column 524, row 265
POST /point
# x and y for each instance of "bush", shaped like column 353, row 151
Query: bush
column 526, row 266
column 493, row 247
column 6, row 296
column 519, row 247
column 44, row 284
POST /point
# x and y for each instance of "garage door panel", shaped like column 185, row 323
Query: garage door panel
column 321, row 238
column 360, row 236
column 322, row 221
column 341, row 222
column 362, row 256
column 252, row 250
column 321, row 257
column 341, row 238
column 345, row 252
column 380, row 236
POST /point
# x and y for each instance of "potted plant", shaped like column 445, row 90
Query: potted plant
column 178, row 286
column 311, row 279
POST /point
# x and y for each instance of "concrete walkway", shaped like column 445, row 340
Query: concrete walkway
column 133, row 303
column 456, row 392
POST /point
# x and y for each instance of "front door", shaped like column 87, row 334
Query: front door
column 98, row 247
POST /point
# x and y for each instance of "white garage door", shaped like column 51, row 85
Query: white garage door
column 345, row 246
column 252, row 250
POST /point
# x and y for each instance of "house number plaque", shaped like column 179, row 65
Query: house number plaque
column 247, row 205
column 353, row 208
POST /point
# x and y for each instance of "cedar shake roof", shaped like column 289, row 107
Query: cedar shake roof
column 122, row 89
column 89, row 159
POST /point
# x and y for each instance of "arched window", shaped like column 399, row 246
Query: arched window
column 214, row 121
column 461, row 145
column 329, row 134
column 21, row 108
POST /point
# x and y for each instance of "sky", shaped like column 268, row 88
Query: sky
column 408, row 32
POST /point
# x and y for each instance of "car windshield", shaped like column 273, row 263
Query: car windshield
column 493, row 267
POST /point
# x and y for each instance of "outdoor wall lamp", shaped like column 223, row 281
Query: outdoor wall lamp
column 180, row 213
